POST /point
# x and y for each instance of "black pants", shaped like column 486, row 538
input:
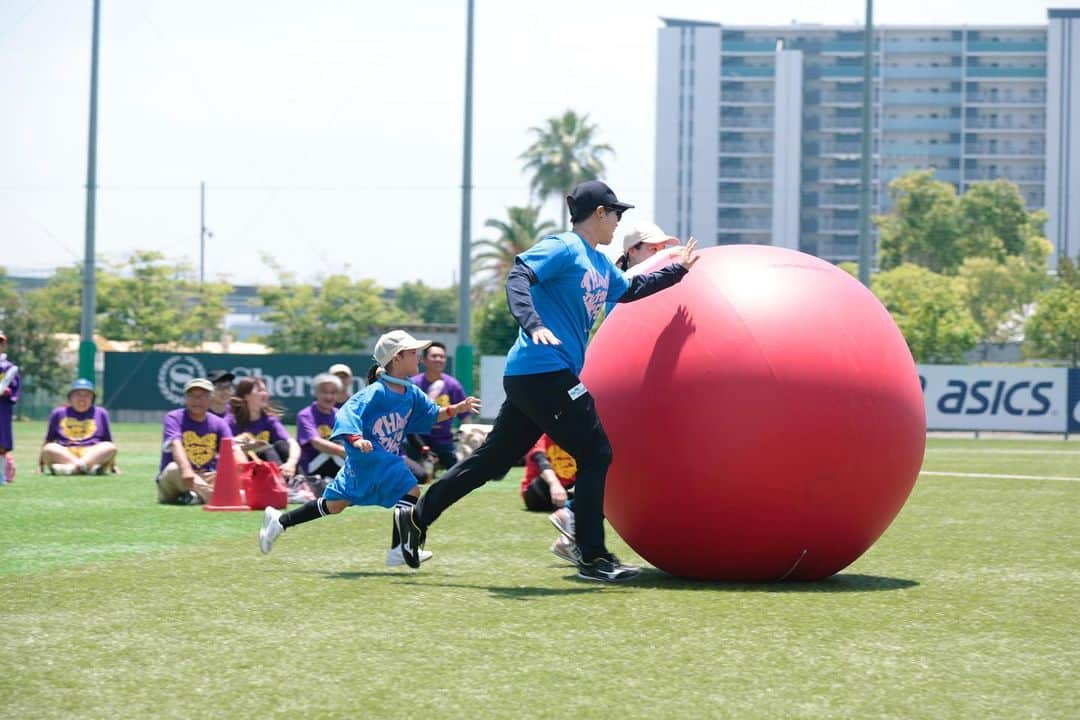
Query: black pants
column 537, row 404
column 276, row 453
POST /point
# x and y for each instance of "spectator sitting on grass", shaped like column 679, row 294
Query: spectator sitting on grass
column 190, row 445
column 319, row 456
column 256, row 424
column 78, row 440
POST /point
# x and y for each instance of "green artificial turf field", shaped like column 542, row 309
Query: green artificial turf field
column 116, row 607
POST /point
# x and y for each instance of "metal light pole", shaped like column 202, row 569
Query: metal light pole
column 87, row 349
column 866, row 193
column 463, row 365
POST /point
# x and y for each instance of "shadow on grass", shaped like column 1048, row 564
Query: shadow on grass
column 499, row 591
column 841, row 583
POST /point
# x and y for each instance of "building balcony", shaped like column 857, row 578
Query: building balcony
column 922, row 149
column 923, row 47
column 745, row 97
column 746, row 174
column 921, row 98
column 1020, row 177
column 1004, row 124
column 841, row 173
column 758, row 199
column 842, row 71
column 1004, row 149
column 841, row 123
column 838, row 225
column 844, row 148
column 943, row 174
column 735, row 47
column 1006, row 72
column 746, row 72
column 845, row 97
column 747, row 122
column 918, row 124
column 744, row 224
column 950, row 72
column 839, row 200
column 1013, row 47
column 746, row 148
column 1005, row 98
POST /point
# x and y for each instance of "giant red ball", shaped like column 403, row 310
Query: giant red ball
column 765, row 414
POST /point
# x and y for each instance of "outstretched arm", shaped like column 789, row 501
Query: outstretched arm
column 646, row 284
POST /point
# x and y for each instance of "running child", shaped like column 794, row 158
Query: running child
column 371, row 426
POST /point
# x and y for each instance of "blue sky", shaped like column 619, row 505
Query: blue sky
column 329, row 132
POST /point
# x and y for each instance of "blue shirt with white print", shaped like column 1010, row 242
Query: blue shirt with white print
column 574, row 281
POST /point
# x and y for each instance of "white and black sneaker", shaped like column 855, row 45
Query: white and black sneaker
column 566, row 550
column 395, row 558
column 607, row 568
column 412, row 537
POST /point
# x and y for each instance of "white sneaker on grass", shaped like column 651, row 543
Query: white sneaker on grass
column 566, row 550
column 271, row 528
column 395, row 558
column 563, row 520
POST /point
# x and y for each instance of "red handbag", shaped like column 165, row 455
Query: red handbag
column 263, row 485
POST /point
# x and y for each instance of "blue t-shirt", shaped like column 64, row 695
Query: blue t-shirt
column 575, row 280
column 382, row 416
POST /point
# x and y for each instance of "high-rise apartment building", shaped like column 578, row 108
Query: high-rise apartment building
column 759, row 128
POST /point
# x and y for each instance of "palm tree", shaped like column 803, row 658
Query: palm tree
column 492, row 259
column 562, row 155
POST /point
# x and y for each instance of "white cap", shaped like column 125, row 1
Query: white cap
column 340, row 368
column 394, row 342
column 646, row 233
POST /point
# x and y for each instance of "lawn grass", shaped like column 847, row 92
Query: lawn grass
column 117, row 607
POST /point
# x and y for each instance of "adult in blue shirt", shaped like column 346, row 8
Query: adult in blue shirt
column 555, row 291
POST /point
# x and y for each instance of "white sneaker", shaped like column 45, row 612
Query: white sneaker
column 395, row 558
column 563, row 520
column 566, row 550
column 62, row 469
column 270, row 530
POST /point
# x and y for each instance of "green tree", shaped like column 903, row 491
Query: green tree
column 494, row 328
column 492, row 259
column 32, row 342
column 1054, row 330
column 60, row 300
column 996, row 210
column 924, row 227
column 563, row 154
column 428, row 305
column 930, row 310
column 998, row 292
column 339, row 316
column 155, row 303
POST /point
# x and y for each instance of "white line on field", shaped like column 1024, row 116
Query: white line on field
column 1003, row 451
column 1002, row 477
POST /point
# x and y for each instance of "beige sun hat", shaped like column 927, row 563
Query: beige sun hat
column 394, row 342
column 647, row 233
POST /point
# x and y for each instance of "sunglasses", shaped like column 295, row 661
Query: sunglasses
column 618, row 212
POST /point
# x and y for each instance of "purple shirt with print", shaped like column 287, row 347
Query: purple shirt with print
column 201, row 440
column 312, row 423
column 267, row 428
column 443, row 392
column 71, row 428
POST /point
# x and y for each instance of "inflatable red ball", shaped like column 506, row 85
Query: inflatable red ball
column 766, row 417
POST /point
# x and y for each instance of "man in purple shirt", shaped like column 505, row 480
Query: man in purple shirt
column 9, row 395
column 190, row 445
column 444, row 390
column 319, row 456
column 78, row 440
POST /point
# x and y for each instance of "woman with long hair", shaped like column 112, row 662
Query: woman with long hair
column 256, row 423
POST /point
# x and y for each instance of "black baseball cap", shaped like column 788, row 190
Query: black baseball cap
column 216, row 376
column 588, row 196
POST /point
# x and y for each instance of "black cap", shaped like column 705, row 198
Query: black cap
column 216, row 376
column 588, row 196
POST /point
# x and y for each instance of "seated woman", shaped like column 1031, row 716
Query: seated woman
column 256, row 424
column 78, row 440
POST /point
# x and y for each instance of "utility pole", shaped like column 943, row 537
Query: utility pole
column 463, row 366
column 87, row 348
column 866, row 193
column 202, row 232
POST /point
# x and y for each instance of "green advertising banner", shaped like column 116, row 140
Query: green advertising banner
column 155, row 380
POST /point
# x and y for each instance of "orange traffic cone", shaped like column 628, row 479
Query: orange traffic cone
column 227, row 484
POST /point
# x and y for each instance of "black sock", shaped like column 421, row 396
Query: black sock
column 406, row 503
column 311, row 510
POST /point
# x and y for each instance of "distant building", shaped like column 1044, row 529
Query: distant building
column 759, row 135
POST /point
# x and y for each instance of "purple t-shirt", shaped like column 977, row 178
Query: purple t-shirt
column 201, row 440
column 267, row 428
column 443, row 392
column 312, row 423
column 71, row 428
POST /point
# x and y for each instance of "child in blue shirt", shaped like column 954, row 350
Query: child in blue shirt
column 371, row 426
